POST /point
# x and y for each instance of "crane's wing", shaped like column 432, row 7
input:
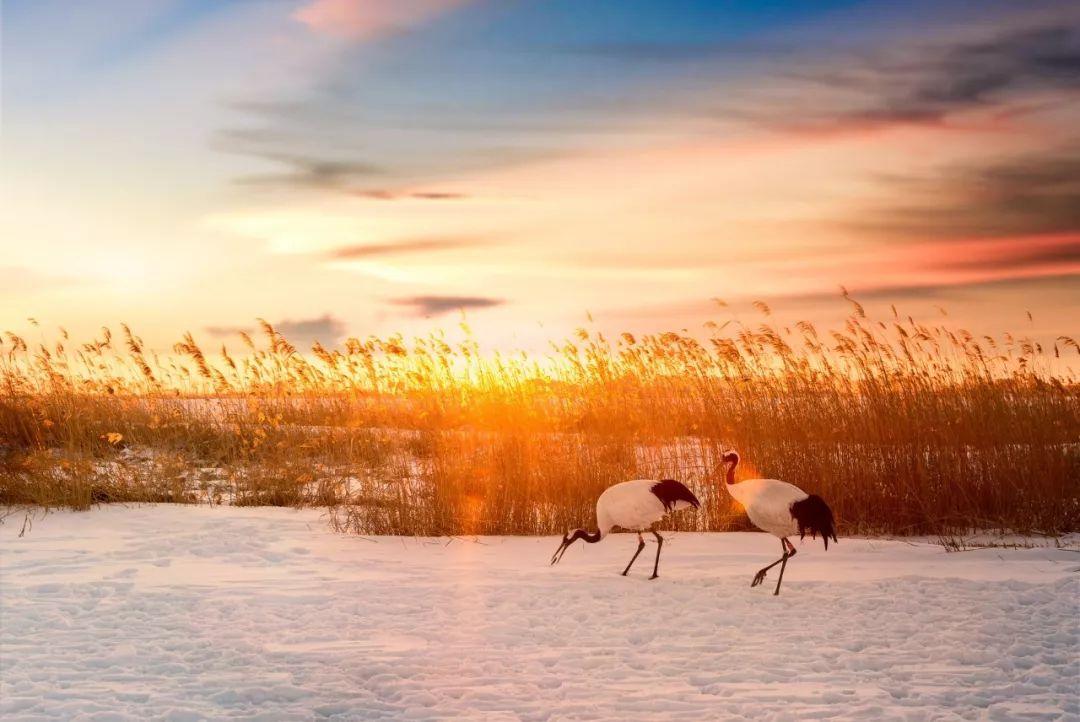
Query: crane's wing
column 674, row 495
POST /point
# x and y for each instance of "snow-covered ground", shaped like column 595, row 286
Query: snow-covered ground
column 185, row 613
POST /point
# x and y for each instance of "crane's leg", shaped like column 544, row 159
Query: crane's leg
column 640, row 546
column 659, row 544
column 788, row 553
column 760, row 576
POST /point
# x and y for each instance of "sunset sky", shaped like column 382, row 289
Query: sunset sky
column 350, row 167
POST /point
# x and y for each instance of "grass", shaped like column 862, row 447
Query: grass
column 904, row 428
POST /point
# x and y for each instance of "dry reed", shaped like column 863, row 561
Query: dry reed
column 903, row 427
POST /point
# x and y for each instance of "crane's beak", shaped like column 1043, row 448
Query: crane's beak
column 560, row 551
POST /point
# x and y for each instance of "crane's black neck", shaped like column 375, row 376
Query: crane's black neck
column 731, row 471
column 591, row 537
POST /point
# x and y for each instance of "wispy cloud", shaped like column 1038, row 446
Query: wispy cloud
column 303, row 165
column 366, row 19
column 1022, row 255
column 928, row 83
column 1023, row 194
column 385, row 194
column 437, row 305
column 939, row 291
column 312, row 172
column 416, row 245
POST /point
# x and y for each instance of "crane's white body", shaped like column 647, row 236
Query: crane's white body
column 633, row 506
column 768, row 504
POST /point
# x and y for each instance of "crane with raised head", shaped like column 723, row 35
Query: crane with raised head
column 781, row 509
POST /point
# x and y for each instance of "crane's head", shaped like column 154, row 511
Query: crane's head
column 572, row 536
column 730, row 457
column 568, row 538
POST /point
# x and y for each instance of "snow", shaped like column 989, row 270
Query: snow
column 196, row 612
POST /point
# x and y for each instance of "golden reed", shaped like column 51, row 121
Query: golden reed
column 905, row 427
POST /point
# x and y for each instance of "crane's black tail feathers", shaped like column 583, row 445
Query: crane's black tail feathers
column 670, row 492
column 814, row 515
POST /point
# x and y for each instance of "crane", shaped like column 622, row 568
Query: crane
column 781, row 509
column 635, row 506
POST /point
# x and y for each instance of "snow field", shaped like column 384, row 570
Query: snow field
column 194, row 612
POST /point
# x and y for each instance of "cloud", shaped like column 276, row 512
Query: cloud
column 1018, row 195
column 1021, row 255
column 367, row 19
column 383, row 194
column 303, row 166
column 311, row 172
column 904, row 269
column 325, row 329
column 437, row 305
column 426, row 113
column 221, row 331
column 929, row 83
column 316, row 143
column 903, row 292
column 302, row 333
column 417, row 245
column 1051, row 289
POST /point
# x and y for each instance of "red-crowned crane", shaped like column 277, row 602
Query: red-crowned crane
column 782, row 509
column 635, row 506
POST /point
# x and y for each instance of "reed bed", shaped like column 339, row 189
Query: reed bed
column 905, row 428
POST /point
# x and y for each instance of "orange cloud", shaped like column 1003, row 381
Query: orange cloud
column 365, row 19
column 979, row 260
column 941, row 263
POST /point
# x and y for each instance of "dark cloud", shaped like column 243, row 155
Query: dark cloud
column 416, row 245
column 325, row 329
column 436, row 305
column 1024, row 194
column 970, row 74
column 928, row 84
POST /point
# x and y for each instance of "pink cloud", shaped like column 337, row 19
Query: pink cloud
column 977, row 260
column 954, row 262
column 365, row 19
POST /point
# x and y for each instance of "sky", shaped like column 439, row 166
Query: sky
column 356, row 167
